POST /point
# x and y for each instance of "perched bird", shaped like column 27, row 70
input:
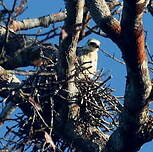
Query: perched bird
column 87, row 58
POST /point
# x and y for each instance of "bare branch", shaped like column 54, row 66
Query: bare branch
column 102, row 16
column 138, row 84
column 112, row 57
column 24, row 51
column 8, row 82
column 44, row 21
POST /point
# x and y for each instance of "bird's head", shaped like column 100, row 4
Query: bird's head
column 93, row 45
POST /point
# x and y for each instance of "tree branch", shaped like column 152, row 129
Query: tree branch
column 102, row 16
column 138, row 78
column 128, row 135
column 43, row 21
column 24, row 51
column 7, row 82
column 67, row 59
column 130, row 39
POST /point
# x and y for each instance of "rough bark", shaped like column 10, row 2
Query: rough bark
column 128, row 136
column 102, row 16
column 67, row 59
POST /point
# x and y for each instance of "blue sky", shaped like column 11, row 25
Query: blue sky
column 37, row 8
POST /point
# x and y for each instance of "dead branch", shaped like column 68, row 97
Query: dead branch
column 44, row 21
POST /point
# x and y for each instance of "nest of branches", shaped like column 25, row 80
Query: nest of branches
column 45, row 110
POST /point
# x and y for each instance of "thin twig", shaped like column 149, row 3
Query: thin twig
column 112, row 57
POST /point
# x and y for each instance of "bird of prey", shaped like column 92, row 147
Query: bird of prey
column 87, row 58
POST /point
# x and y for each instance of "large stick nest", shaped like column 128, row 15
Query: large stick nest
column 45, row 109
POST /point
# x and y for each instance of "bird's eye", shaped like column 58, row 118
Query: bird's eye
column 93, row 45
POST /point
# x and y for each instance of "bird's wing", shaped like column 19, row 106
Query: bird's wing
column 81, row 51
